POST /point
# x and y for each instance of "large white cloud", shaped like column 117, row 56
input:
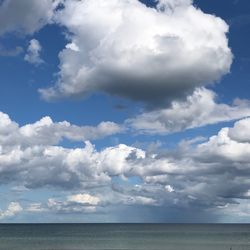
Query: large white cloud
column 198, row 110
column 148, row 54
column 26, row 16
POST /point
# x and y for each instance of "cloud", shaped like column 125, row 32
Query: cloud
column 202, row 175
column 47, row 132
column 36, row 208
column 40, row 166
column 10, row 52
column 84, row 199
column 132, row 199
column 26, row 150
column 227, row 146
column 154, row 55
column 240, row 132
column 85, row 203
column 26, row 16
column 13, row 209
column 33, row 52
column 199, row 109
column 79, row 203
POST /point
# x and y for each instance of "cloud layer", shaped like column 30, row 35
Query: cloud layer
column 145, row 54
column 206, row 176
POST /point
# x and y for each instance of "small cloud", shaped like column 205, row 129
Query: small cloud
column 84, row 199
column 13, row 209
column 79, row 203
column 36, row 207
column 33, row 53
column 73, row 47
column 169, row 188
column 140, row 200
column 19, row 189
column 11, row 52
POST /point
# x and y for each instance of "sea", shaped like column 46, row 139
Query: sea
column 124, row 236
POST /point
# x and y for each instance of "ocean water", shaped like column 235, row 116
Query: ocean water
column 124, row 237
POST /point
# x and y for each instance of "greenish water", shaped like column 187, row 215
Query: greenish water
column 124, row 237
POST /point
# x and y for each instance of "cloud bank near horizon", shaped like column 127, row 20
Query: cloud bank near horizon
column 209, row 176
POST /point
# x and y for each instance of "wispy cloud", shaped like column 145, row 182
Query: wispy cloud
column 10, row 52
column 33, row 52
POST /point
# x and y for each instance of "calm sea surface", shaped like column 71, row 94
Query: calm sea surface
column 124, row 236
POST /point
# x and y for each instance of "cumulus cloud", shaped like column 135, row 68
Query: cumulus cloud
column 199, row 109
column 47, row 132
column 206, row 175
column 26, row 152
column 226, row 146
column 26, row 16
column 240, row 132
column 13, row 209
column 40, row 166
column 33, row 52
column 28, row 149
column 145, row 54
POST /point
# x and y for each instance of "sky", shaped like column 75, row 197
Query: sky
column 124, row 111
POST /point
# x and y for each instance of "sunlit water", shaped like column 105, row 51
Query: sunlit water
column 124, row 236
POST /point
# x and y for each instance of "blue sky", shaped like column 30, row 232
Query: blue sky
column 124, row 111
